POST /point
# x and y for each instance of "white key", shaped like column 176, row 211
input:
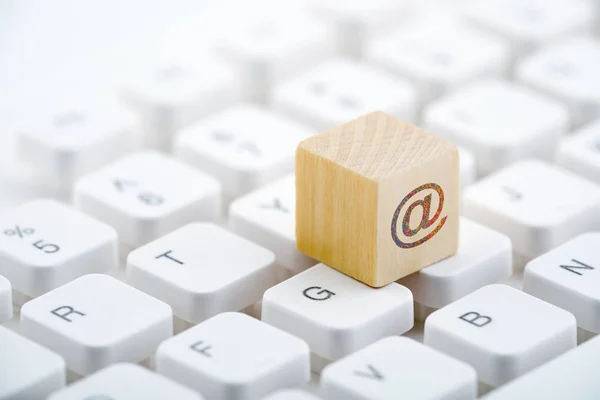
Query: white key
column 398, row 368
column 29, row 371
column 335, row 314
column 173, row 92
column 467, row 167
column 356, row 22
column 570, row 376
column 580, row 152
column 146, row 195
column 125, row 382
column 438, row 57
column 267, row 216
column 340, row 90
column 45, row 244
column 201, row 270
column 568, row 71
column 245, row 147
column 568, row 277
column 484, row 256
column 234, row 356
column 291, row 394
column 536, row 204
column 95, row 321
column 501, row 331
column 66, row 142
column 527, row 24
column 273, row 47
column 499, row 122
column 6, row 306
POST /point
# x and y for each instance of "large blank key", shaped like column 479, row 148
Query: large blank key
column 236, row 357
column 570, row 376
column 567, row 70
column 146, row 195
column 499, row 122
column 398, row 368
column 501, row 332
column 267, row 216
column 6, row 307
column 45, row 244
column 28, row 371
column 539, row 206
column 202, row 270
column 125, row 382
column 569, row 277
column 335, row 314
column 95, row 321
column 245, row 147
column 484, row 256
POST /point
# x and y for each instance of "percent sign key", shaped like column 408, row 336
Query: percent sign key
column 22, row 233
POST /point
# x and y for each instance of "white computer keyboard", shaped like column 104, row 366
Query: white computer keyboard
column 147, row 200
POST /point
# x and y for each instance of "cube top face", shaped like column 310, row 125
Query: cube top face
column 377, row 198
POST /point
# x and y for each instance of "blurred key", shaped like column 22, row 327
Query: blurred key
column 236, row 357
column 267, row 216
column 438, row 57
column 466, row 166
column 536, row 204
column 499, row 122
column 569, row 277
column 63, row 143
column 567, row 71
column 146, row 195
column 527, row 24
column 95, row 321
column 580, row 152
column 29, row 371
column 291, row 394
column 6, row 306
column 45, row 244
column 398, row 368
column 202, row 270
column 335, row 314
column 340, row 90
column 484, row 256
column 501, row 332
column 245, row 147
column 125, row 382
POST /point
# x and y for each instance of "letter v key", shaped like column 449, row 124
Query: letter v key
column 372, row 374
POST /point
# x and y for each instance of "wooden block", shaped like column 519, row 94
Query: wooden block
column 377, row 198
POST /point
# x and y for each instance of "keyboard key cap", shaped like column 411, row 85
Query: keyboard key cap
column 6, row 306
column 335, row 314
column 438, row 57
column 580, row 152
column 291, row 394
column 29, row 371
column 502, row 332
column 568, row 71
column 202, row 270
column 45, row 244
column 274, row 47
column 125, row 382
column 484, row 256
column 397, row 368
column 245, row 147
column 267, row 216
column 527, row 24
column 499, row 122
column 568, row 277
column 537, row 205
column 340, row 90
column 146, row 195
column 467, row 167
column 234, row 356
column 65, row 142
column 569, row 376
column 95, row 321
column 173, row 92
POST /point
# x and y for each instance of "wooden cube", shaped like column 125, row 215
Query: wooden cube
column 377, row 198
